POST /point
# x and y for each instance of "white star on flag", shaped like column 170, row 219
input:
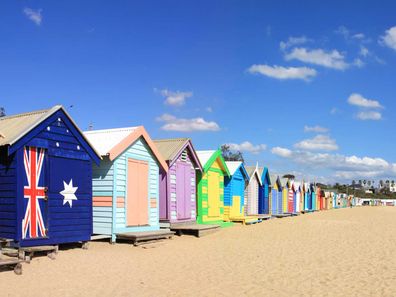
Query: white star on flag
column 69, row 193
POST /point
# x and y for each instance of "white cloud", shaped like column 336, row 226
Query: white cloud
column 358, row 36
column 318, row 129
column 175, row 98
column 332, row 59
column 369, row 115
column 319, row 142
column 282, row 73
column 34, row 15
column 247, row 146
column 173, row 123
column 389, row 39
column 282, row 152
column 346, row 167
column 358, row 63
column 364, row 52
column 342, row 30
column 209, row 109
column 358, row 100
column 291, row 41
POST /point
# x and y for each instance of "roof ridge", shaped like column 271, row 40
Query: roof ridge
column 25, row 114
column 112, row 130
column 172, row 139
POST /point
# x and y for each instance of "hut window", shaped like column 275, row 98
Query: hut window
column 48, row 128
column 173, row 178
column 184, row 156
column 78, row 147
column 57, row 144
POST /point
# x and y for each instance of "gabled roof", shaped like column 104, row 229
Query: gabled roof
column 207, row 158
column 264, row 174
column 297, row 185
column 275, row 179
column 307, row 187
column 233, row 166
column 171, row 149
column 113, row 142
column 284, row 182
column 252, row 171
column 13, row 128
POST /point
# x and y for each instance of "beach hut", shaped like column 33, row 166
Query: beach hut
column 297, row 196
column 264, row 193
column 210, row 188
column 307, row 197
column 234, row 194
column 285, row 195
column 126, row 185
column 291, row 197
column 252, row 203
column 313, row 196
column 45, row 179
column 276, row 195
column 177, row 197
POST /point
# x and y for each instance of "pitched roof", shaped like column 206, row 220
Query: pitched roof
column 233, row 166
column 297, row 185
column 275, row 178
column 208, row 157
column 113, row 142
column 284, row 181
column 204, row 156
column 15, row 127
column 171, row 149
column 250, row 170
column 254, row 170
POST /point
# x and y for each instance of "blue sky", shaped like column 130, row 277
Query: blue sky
column 303, row 87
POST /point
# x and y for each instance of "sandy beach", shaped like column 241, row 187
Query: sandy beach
column 345, row 252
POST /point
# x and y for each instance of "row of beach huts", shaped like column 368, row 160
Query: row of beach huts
column 60, row 185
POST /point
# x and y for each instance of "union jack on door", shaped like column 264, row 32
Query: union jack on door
column 33, row 225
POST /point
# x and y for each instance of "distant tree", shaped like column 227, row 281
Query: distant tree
column 381, row 183
column 229, row 155
column 289, row 176
column 360, row 182
column 369, row 183
column 2, row 112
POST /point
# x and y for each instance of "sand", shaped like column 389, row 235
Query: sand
column 345, row 252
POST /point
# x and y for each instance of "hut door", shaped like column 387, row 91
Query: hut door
column 137, row 195
column 213, row 194
column 274, row 201
column 183, row 190
column 35, row 189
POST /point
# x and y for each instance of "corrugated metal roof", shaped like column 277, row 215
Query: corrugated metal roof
column 14, row 127
column 233, row 166
column 250, row 170
column 105, row 140
column 170, row 148
column 284, row 181
column 204, row 156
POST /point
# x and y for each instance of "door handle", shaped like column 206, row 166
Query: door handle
column 46, row 193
